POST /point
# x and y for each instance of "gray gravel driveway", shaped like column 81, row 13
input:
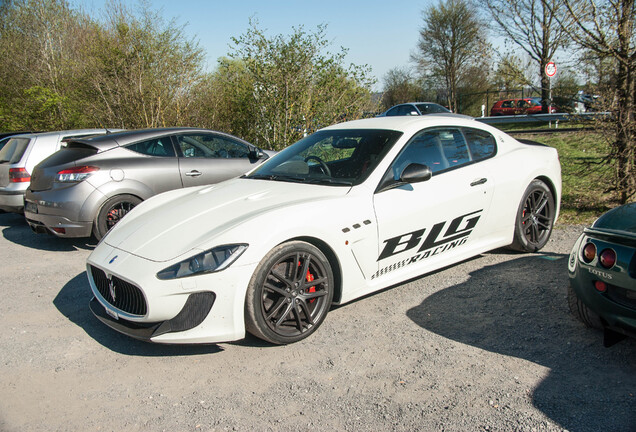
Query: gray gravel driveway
column 486, row 345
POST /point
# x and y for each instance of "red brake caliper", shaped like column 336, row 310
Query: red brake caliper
column 309, row 278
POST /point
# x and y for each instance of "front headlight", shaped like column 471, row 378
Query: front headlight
column 214, row 260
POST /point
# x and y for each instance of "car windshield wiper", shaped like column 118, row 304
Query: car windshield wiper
column 329, row 181
column 277, row 178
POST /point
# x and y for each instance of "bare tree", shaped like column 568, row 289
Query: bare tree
column 533, row 25
column 400, row 86
column 452, row 43
column 606, row 28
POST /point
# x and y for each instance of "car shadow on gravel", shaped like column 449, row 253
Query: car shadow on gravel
column 16, row 230
column 519, row 308
column 72, row 302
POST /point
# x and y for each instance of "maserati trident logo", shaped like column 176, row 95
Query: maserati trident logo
column 111, row 289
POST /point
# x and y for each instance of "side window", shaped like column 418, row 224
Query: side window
column 211, row 146
column 507, row 104
column 424, row 148
column 439, row 149
column 406, row 110
column 161, row 147
column 393, row 111
column 481, row 144
column 521, row 103
column 454, row 146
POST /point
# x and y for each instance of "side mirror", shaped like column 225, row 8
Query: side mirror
column 257, row 153
column 416, row 173
column 413, row 173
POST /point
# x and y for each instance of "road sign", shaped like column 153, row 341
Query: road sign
column 550, row 69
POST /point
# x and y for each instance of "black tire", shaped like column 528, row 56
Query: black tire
column 289, row 294
column 111, row 212
column 582, row 312
column 534, row 219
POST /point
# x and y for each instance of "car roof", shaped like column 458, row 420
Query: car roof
column 126, row 137
column 409, row 124
column 415, row 103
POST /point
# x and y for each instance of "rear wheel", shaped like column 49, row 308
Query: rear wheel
column 535, row 217
column 289, row 294
column 582, row 312
column 113, row 210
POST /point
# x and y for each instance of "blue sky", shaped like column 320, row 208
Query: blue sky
column 381, row 34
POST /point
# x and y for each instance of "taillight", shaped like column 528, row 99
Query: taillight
column 19, row 175
column 76, row 174
column 589, row 252
column 607, row 258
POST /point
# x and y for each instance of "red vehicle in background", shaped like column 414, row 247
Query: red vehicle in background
column 517, row 106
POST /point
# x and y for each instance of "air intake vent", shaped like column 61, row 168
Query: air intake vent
column 119, row 293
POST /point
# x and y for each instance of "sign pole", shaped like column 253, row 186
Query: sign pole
column 550, row 71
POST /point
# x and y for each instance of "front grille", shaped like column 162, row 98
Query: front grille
column 622, row 296
column 128, row 297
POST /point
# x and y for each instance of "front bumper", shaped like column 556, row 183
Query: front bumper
column 193, row 313
column 201, row 309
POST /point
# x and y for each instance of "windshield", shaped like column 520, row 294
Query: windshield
column 13, row 150
column 333, row 157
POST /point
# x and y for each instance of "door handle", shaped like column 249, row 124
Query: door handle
column 193, row 173
column 479, row 182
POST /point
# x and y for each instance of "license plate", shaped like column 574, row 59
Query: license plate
column 31, row 207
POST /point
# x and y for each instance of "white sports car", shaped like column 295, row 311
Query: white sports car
column 349, row 210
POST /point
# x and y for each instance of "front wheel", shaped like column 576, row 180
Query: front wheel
column 535, row 218
column 289, row 294
column 113, row 210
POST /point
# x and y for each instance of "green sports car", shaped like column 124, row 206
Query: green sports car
column 602, row 269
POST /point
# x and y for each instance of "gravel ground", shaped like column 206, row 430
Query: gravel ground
column 487, row 345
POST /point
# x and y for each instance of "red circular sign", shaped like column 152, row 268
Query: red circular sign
column 550, row 69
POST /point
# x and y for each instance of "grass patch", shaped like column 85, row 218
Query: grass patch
column 586, row 177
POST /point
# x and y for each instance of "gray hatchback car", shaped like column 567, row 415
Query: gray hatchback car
column 90, row 184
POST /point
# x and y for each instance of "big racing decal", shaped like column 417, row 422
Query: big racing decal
column 455, row 235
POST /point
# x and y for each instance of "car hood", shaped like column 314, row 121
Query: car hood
column 621, row 218
column 174, row 223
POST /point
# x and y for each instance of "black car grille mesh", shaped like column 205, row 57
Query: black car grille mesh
column 127, row 297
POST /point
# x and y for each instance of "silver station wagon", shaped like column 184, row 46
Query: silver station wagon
column 20, row 154
column 90, row 184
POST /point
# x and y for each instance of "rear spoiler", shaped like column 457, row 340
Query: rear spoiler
column 530, row 142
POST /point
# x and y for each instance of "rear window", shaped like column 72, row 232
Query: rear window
column 68, row 154
column 431, row 108
column 13, row 150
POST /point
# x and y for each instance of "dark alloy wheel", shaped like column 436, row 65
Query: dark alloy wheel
column 113, row 210
column 535, row 217
column 290, row 293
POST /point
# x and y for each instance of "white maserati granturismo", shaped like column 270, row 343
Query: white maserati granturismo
column 349, row 210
